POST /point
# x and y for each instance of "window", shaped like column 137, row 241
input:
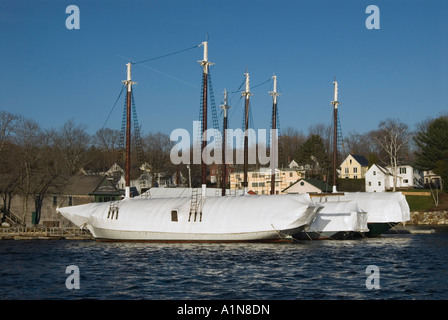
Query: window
column 70, row 200
column 290, row 174
column 405, row 181
column 374, row 172
column 55, row 200
column 403, row 170
column 346, row 170
column 355, row 170
column 254, row 184
column 370, row 183
column 379, row 183
column 174, row 215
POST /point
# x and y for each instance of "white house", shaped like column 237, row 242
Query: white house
column 379, row 179
column 432, row 180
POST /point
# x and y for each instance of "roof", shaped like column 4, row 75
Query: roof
column 321, row 185
column 385, row 171
column 106, row 186
column 81, row 184
column 361, row 159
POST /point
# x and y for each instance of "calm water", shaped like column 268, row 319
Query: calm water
column 411, row 266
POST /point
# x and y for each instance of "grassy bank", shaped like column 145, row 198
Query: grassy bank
column 426, row 203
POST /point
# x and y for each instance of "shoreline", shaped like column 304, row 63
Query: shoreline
column 36, row 233
column 44, row 233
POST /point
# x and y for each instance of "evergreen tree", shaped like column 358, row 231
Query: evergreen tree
column 433, row 149
column 312, row 153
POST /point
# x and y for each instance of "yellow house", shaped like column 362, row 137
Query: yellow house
column 259, row 181
column 354, row 167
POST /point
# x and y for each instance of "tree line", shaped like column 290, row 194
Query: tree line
column 34, row 160
column 391, row 144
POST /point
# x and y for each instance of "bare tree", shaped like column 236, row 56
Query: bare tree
column 393, row 137
column 73, row 141
column 9, row 174
column 290, row 142
column 8, row 122
column 157, row 148
column 107, row 139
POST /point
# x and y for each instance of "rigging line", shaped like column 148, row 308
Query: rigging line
column 168, row 54
column 252, row 87
column 110, row 113
column 164, row 74
column 258, row 85
column 170, row 76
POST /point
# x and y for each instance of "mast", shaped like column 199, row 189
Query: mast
column 274, row 95
column 204, row 63
column 246, row 94
column 335, row 104
column 224, row 107
column 128, row 82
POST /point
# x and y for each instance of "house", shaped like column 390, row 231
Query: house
column 354, row 167
column 107, row 190
column 379, row 179
column 69, row 191
column 432, row 180
column 259, row 181
column 308, row 186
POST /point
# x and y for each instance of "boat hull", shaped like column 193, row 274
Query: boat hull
column 378, row 228
column 339, row 235
column 101, row 234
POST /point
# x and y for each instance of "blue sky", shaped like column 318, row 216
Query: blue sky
column 52, row 74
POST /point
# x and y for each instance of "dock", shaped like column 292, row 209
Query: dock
column 44, row 233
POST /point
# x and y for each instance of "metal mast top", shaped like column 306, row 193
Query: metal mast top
column 274, row 93
column 225, row 106
column 205, row 63
column 128, row 82
column 335, row 104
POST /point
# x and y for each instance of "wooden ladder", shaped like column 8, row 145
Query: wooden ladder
column 196, row 198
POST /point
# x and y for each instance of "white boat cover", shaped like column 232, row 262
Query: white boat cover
column 339, row 216
column 220, row 215
column 381, row 207
column 185, row 192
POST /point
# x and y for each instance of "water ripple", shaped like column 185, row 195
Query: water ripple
column 411, row 267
